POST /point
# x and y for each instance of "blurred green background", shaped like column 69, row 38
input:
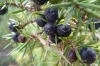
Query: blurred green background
column 4, row 59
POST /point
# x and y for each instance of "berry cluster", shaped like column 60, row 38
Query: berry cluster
column 87, row 54
column 48, row 21
column 17, row 37
column 54, row 30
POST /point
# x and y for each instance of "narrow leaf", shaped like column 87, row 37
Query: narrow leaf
column 8, row 44
column 87, row 5
column 93, row 13
column 24, row 52
column 69, row 14
column 14, row 50
column 18, row 11
column 78, row 55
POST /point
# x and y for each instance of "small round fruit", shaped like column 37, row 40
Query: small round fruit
column 96, row 24
column 3, row 11
column 41, row 21
column 50, row 28
column 64, row 31
column 12, row 27
column 55, row 1
column 53, row 37
column 21, row 39
column 40, row 2
column 15, row 37
column 88, row 55
column 72, row 56
column 51, row 14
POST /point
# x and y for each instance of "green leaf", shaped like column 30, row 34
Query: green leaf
column 8, row 44
column 92, row 28
column 30, row 52
column 38, row 13
column 18, row 48
column 24, row 52
column 69, row 14
column 78, row 55
column 65, row 50
column 14, row 50
column 93, row 13
column 18, row 11
column 87, row 5
column 79, row 40
column 57, row 5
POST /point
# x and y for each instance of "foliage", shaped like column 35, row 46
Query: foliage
column 38, row 49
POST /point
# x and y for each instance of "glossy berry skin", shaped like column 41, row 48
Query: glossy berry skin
column 40, row 2
column 15, row 37
column 3, row 11
column 88, row 55
column 72, row 56
column 50, row 28
column 96, row 24
column 51, row 14
column 12, row 28
column 21, row 39
column 52, row 38
column 64, row 31
column 40, row 22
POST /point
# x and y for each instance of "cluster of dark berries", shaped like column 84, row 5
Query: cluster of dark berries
column 17, row 37
column 3, row 11
column 48, row 21
column 87, row 54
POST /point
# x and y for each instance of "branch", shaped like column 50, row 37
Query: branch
column 22, row 26
column 30, row 8
column 44, row 43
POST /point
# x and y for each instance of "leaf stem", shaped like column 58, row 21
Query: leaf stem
column 87, row 5
column 57, row 5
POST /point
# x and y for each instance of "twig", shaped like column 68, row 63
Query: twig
column 39, row 38
column 60, row 54
column 47, row 48
column 44, row 44
column 32, row 8
column 26, row 23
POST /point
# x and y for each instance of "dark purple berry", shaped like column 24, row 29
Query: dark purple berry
column 21, row 39
column 88, row 55
column 54, row 39
column 12, row 26
column 96, row 24
column 51, row 14
column 72, row 56
column 15, row 37
column 3, row 11
column 50, row 28
column 41, row 21
column 64, row 31
column 40, row 2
